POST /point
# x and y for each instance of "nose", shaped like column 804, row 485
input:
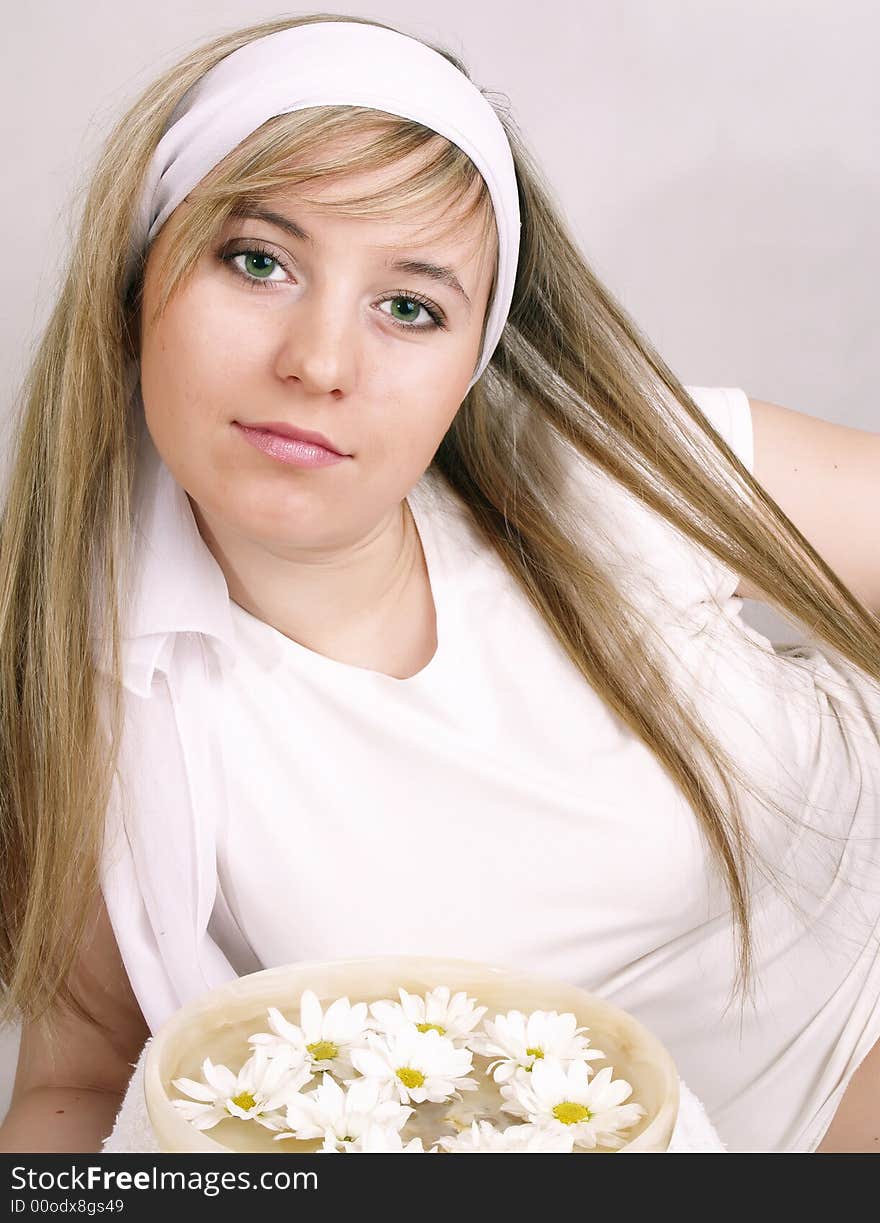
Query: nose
column 318, row 341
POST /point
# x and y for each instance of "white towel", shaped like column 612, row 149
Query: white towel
column 132, row 1131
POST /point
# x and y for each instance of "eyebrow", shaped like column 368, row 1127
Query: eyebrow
column 414, row 267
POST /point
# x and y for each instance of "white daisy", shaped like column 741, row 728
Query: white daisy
column 342, row 1116
column 562, row 1099
column 323, row 1040
column 376, row 1138
column 260, row 1091
column 420, row 1065
column 520, row 1040
column 454, row 1017
column 483, row 1136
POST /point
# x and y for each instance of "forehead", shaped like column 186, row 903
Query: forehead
column 381, row 209
column 400, row 217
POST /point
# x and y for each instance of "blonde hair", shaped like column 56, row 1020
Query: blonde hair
column 571, row 369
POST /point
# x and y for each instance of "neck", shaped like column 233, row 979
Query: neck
column 324, row 599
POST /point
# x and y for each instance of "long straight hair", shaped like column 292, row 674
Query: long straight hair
column 571, row 372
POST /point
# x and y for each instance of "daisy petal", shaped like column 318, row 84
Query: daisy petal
column 220, row 1077
column 310, row 1015
column 369, row 1063
column 283, row 1027
column 198, row 1091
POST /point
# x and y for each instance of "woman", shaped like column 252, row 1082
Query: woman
column 466, row 678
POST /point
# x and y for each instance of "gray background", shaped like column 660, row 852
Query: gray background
column 717, row 160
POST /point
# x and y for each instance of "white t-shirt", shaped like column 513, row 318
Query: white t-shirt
column 493, row 808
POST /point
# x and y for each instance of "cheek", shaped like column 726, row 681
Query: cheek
column 193, row 364
column 407, row 436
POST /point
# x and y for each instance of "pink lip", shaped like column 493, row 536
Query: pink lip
column 301, row 435
column 296, row 450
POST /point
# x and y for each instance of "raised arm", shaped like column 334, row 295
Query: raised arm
column 826, row 478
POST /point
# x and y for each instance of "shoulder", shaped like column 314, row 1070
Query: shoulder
column 729, row 410
column 653, row 561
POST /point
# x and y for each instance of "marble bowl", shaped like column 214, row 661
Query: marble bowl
column 218, row 1023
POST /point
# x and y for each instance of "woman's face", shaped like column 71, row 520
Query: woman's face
column 321, row 333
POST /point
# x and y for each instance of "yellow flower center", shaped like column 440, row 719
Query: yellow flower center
column 426, row 1027
column 535, row 1053
column 410, row 1077
column 244, row 1100
column 323, row 1050
column 570, row 1113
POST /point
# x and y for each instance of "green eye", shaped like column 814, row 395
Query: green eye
column 413, row 307
column 257, row 257
column 259, row 264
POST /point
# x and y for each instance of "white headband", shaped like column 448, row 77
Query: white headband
column 329, row 63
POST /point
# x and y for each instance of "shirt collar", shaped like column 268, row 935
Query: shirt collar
column 177, row 587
